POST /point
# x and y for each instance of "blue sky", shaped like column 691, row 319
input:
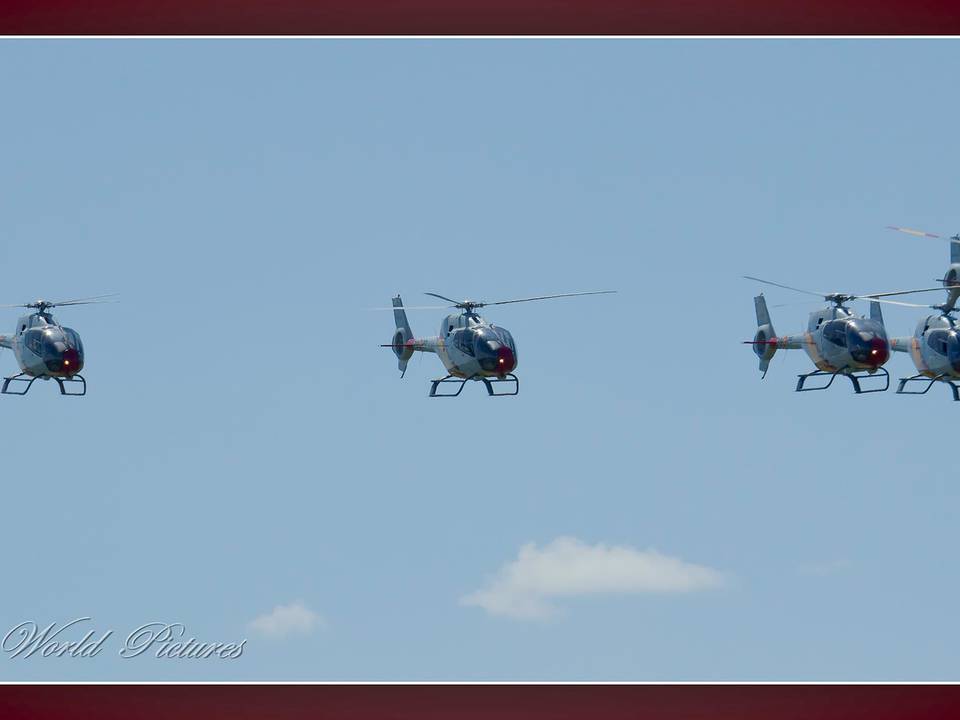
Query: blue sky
column 246, row 445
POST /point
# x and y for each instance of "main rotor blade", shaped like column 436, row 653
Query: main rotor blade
column 859, row 297
column 794, row 304
column 874, row 296
column 81, row 301
column 787, row 287
column 893, row 302
column 911, row 231
column 548, row 297
column 455, row 302
column 922, row 233
column 84, row 302
column 863, row 296
column 96, row 299
column 415, row 307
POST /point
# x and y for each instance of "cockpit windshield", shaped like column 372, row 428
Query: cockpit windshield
column 953, row 350
column 490, row 338
column 863, row 330
column 493, row 348
column 52, row 342
column 504, row 337
column 867, row 341
column 485, row 342
column 59, row 348
column 73, row 339
column 485, row 333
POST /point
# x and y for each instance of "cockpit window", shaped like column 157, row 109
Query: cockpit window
column 863, row 331
column 486, row 341
column 73, row 339
column 836, row 332
column 33, row 340
column 463, row 341
column 504, row 337
column 937, row 340
column 953, row 350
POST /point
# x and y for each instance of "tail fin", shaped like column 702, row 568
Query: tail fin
column 762, row 345
column 763, row 315
column 952, row 278
column 875, row 312
column 401, row 336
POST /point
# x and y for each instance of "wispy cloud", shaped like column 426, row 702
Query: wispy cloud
column 568, row 567
column 293, row 619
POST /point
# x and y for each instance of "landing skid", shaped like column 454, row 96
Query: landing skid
column 901, row 387
column 489, row 383
column 448, row 379
column 73, row 380
column 510, row 378
column 21, row 378
column 854, row 377
column 62, row 382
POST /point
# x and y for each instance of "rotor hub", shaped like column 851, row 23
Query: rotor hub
column 839, row 299
column 469, row 306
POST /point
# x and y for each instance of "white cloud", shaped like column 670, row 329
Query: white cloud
column 293, row 619
column 567, row 566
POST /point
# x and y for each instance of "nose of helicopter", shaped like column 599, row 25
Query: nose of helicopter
column 878, row 352
column 496, row 358
column 71, row 362
column 506, row 360
column 867, row 342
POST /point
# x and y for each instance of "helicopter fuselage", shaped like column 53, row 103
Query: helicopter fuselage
column 44, row 348
column 934, row 346
column 470, row 347
column 836, row 340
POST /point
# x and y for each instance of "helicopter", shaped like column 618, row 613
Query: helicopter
column 934, row 346
column 837, row 341
column 469, row 347
column 45, row 349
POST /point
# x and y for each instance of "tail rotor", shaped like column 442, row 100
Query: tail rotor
column 402, row 336
column 765, row 341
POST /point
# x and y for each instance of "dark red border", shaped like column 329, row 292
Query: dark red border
column 480, row 17
column 476, row 702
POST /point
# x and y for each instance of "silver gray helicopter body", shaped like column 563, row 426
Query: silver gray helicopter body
column 934, row 346
column 469, row 347
column 836, row 341
column 46, row 350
